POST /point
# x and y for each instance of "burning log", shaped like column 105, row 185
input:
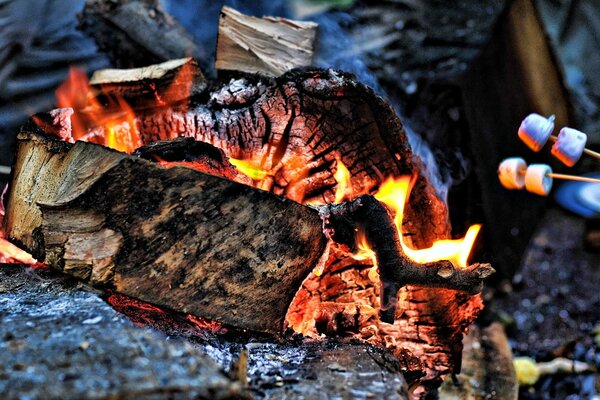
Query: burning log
column 270, row 46
column 162, row 235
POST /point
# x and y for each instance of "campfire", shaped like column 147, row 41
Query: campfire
column 274, row 201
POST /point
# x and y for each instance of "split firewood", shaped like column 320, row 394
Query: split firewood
column 173, row 237
column 396, row 270
column 269, row 45
column 168, row 82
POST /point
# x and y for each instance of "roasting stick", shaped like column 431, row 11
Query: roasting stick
column 573, row 177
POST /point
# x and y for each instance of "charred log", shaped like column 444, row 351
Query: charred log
column 168, row 242
column 295, row 128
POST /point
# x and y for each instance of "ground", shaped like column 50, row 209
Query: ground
column 552, row 306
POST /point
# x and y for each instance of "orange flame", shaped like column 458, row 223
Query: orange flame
column 117, row 117
column 344, row 181
column 11, row 254
column 394, row 193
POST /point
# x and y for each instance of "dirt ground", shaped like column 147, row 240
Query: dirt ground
column 552, row 306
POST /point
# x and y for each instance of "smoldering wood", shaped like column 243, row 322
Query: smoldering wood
column 197, row 155
column 396, row 270
column 268, row 45
column 171, row 81
column 128, row 31
column 173, row 237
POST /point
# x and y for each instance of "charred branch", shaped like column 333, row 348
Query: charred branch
column 396, row 270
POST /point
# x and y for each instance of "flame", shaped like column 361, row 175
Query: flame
column 365, row 252
column 344, row 181
column 117, row 117
column 246, row 168
column 394, row 193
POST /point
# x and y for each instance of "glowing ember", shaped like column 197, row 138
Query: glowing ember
column 344, row 181
column 246, row 168
column 365, row 252
column 394, row 193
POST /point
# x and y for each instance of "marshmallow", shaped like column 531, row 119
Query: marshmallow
column 537, row 180
column 511, row 173
column 535, row 130
column 569, row 146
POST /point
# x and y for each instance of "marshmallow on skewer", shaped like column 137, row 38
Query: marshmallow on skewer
column 569, row 146
column 538, row 179
column 535, row 130
column 511, row 173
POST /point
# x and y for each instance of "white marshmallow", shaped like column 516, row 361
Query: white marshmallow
column 537, row 180
column 511, row 173
column 535, row 130
column 569, row 146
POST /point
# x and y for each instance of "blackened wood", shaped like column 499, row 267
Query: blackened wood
column 268, row 45
column 169, row 236
column 135, row 33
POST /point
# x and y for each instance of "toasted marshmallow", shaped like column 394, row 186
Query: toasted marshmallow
column 537, row 180
column 535, row 130
column 569, row 146
column 511, row 173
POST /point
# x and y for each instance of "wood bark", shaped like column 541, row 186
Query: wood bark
column 269, row 45
column 173, row 237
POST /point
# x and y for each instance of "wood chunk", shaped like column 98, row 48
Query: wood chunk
column 269, row 45
column 173, row 237
column 135, row 33
column 168, row 82
column 487, row 367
